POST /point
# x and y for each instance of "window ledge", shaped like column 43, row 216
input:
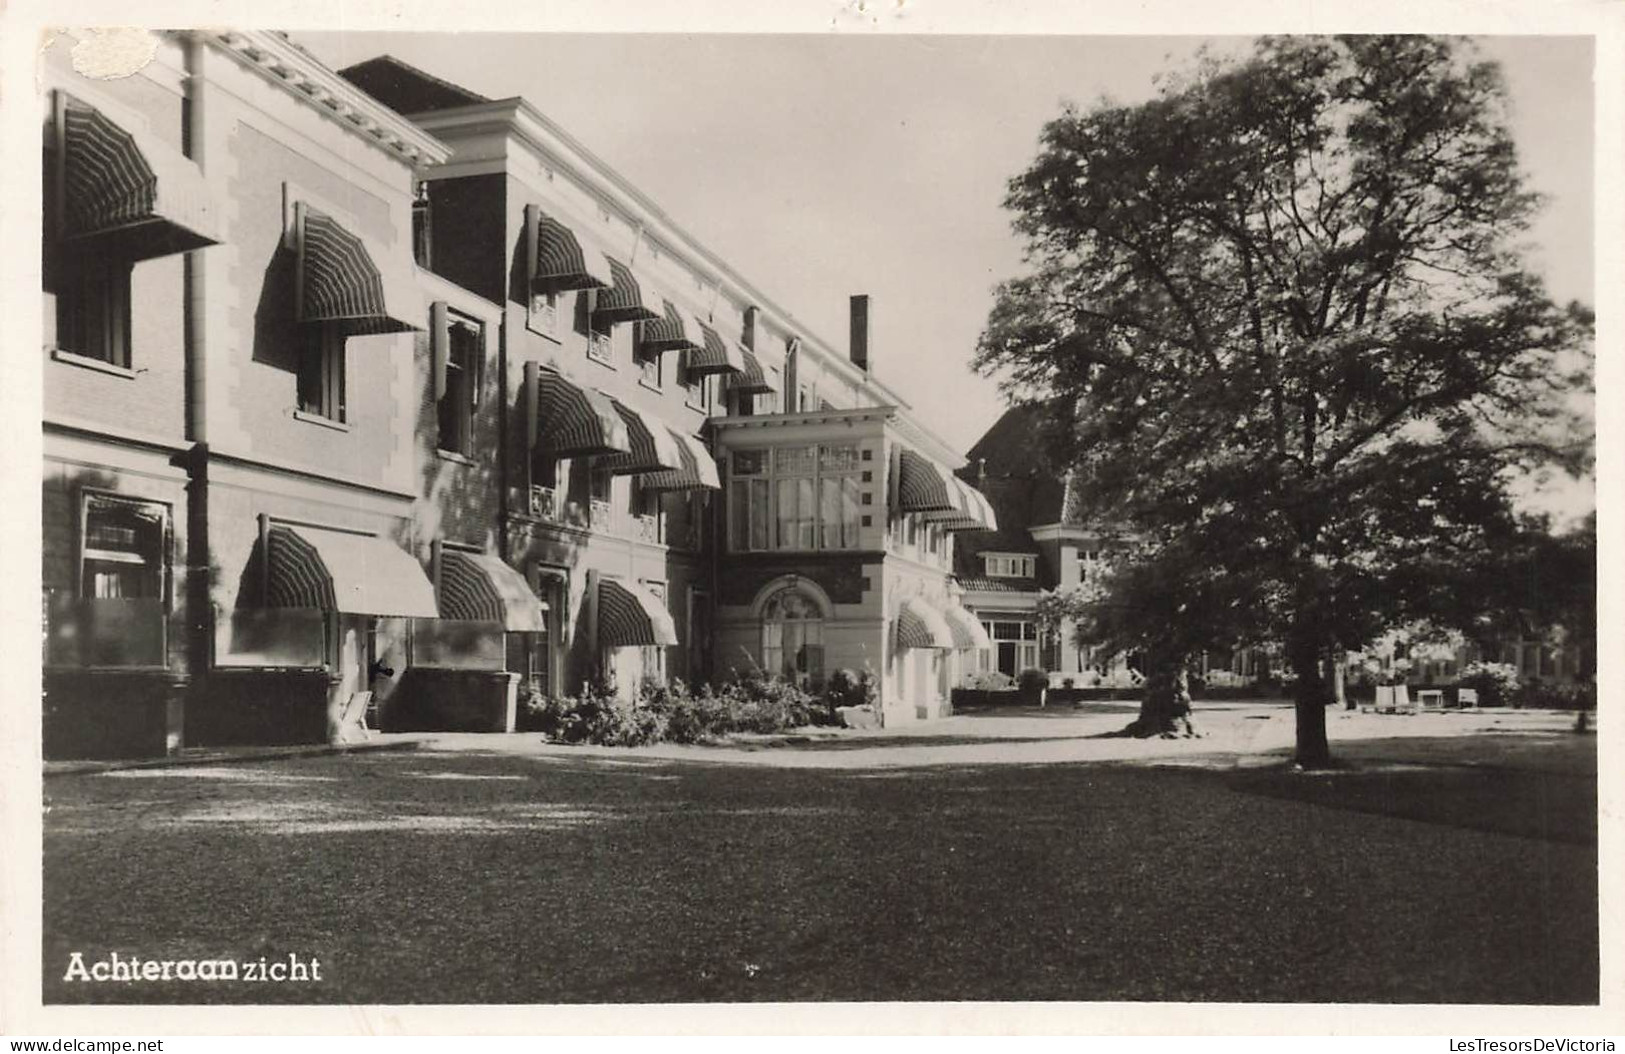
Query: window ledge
column 652, row 387
column 607, row 364
column 318, row 419
column 454, row 456
column 85, row 361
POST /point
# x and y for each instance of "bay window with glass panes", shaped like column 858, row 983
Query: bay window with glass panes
column 803, row 497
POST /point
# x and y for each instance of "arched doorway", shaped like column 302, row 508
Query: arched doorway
column 793, row 637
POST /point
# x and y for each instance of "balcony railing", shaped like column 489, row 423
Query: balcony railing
column 546, row 504
column 599, row 516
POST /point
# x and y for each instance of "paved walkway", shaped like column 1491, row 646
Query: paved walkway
column 1231, row 735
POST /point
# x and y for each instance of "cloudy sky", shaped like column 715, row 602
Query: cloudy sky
column 825, row 165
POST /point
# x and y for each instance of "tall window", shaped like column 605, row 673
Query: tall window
column 422, row 228
column 654, row 655
column 321, row 372
column 588, row 324
column 793, row 637
column 456, row 407
column 122, row 555
column 801, row 497
column 696, row 390
column 93, row 307
column 650, row 370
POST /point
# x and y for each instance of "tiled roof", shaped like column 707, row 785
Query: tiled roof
column 984, row 584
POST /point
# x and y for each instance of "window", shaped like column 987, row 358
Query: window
column 793, row 637
column 697, row 392
column 1015, row 645
column 93, row 308
column 321, row 371
column 654, row 655
column 599, row 340
column 117, row 615
column 422, row 239
column 1005, row 565
column 801, row 497
column 122, row 550
column 456, row 406
column 652, row 373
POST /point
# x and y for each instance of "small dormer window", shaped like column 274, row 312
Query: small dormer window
column 1009, row 565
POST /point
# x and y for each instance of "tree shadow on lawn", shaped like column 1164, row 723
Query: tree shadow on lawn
column 1550, row 806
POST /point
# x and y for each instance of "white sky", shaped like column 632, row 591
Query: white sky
column 825, row 165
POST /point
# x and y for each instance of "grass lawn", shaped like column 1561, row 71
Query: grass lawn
column 470, row 877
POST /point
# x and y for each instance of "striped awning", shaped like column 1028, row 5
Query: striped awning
column 921, row 485
column 624, row 301
column 653, row 448
column 715, row 355
column 919, row 625
column 631, row 616
column 698, row 471
column 341, row 282
column 752, row 380
column 966, row 628
column 675, row 330
column 572, row 419
column 360, row 574
column 479, row 587
column 120, row 180
column 560, row 260
column 971, row 511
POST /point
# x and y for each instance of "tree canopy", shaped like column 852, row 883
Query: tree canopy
column 1279, row 318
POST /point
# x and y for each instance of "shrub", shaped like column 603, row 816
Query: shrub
column 1544, row 696
column 847, row 688
column 595, row 716
column 1495, row 682
column 1032, row 680
column 989, row 681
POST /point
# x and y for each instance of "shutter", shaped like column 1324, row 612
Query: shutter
column 440, row 342
column 533, row 386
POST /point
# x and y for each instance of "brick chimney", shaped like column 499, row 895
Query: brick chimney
column 860, row 331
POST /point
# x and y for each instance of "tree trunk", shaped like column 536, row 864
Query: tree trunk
column 1165, row 708
column 1310, row 699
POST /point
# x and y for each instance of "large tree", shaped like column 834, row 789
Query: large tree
column 1278, row 313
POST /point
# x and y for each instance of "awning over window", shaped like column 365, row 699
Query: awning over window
column 624, row 301
column 675, row 330
column 919, row 625
column 342, row 282
column 983, row 508
column 921, row 485
column 572, row 419
column 753, row 379
column 631, row 616
column 120, row 180
column 479, row 587
column 561, row 261
column 971, row 511
column 698, row 471
column 653, row 448
column 359, row 574
column 715, row 355
column 966, row 628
